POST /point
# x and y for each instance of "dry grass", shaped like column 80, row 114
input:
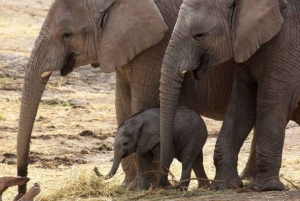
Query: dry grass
column 82, row 186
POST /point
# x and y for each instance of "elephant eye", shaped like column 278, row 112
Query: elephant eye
column 125, row 143
column 198, row 37
column 103, row 19
column 66, row 36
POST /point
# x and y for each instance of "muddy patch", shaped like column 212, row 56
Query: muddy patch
column 56, row 162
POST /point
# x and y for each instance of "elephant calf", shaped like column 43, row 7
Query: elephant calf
column 141, row 133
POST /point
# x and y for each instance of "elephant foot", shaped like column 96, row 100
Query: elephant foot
column 127, row 181
column 203, row 184
column 164, row 182
column 31, row 194
column 249, row 173
column 222, row 183
column 181, row 187
column 133, row 185
column 129, row 168
column 273, row 184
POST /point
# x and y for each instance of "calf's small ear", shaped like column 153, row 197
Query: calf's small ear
column 149, row 137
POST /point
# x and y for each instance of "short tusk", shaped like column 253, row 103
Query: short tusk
column 46, row 73
column 183, row 72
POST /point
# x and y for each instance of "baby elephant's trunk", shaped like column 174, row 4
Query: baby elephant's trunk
column 114, row 168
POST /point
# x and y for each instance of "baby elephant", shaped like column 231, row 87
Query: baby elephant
column 141, row 133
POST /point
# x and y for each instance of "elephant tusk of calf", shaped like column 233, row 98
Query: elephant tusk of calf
column 46, row 73
column 183, row 72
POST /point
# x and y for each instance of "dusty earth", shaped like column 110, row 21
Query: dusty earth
column 76, row 122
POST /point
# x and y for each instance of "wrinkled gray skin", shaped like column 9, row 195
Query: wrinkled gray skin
column 266, row 81
column 126, row 36
column 140, row 133
column 77, row 33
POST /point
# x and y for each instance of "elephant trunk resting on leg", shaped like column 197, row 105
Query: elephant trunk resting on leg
column 258, row 40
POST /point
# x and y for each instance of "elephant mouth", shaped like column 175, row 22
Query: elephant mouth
column 202, row 68
column 95, row 65
column 125, row 155
column 69, row 66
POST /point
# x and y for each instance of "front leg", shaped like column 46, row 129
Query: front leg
column 155, row 164
column 187, row 166
column 144, row 170
column 123, row 112
column 250, row 169
column 239, row 120
column 276, row 101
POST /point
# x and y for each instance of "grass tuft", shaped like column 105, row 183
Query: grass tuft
column 82, row 186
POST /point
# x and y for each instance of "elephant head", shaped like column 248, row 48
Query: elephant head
column 76, row 33
column 139, row 133
column 209, row 33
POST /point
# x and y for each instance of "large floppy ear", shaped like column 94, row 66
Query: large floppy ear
column 255, row 22
column 131, row 27
column 149, row 137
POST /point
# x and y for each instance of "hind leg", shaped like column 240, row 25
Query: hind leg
column 200, row 172
column 250, row 170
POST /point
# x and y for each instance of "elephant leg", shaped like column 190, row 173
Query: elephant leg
column 144, row 86
column 199, row 171
column 155, row 165
column 250, row 170
column 296, row 115
column 274, row 109
column 123, row 98
column 123, row 112
column 239, row 120
column 185, row 179
column 144, row 170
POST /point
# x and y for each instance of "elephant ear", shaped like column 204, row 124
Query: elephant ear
column 149, row 137
column 255, row 22
column 132, row 26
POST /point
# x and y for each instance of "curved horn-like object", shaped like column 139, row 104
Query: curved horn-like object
column 31, row 194
column 46, row 73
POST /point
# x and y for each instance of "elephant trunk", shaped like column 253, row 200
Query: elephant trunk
column 170, row 85
column 33, row 89
column 114, row 168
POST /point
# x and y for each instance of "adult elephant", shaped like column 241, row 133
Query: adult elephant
column 260, row 40
column 126, row 36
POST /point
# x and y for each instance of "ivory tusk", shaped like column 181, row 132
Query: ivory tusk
column 46, row 73
column 183, row 72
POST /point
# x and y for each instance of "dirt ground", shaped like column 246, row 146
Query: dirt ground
column 76, row 123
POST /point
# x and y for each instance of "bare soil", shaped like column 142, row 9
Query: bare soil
column 76, row 122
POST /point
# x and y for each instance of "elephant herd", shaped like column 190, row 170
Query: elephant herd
column 230, row 60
